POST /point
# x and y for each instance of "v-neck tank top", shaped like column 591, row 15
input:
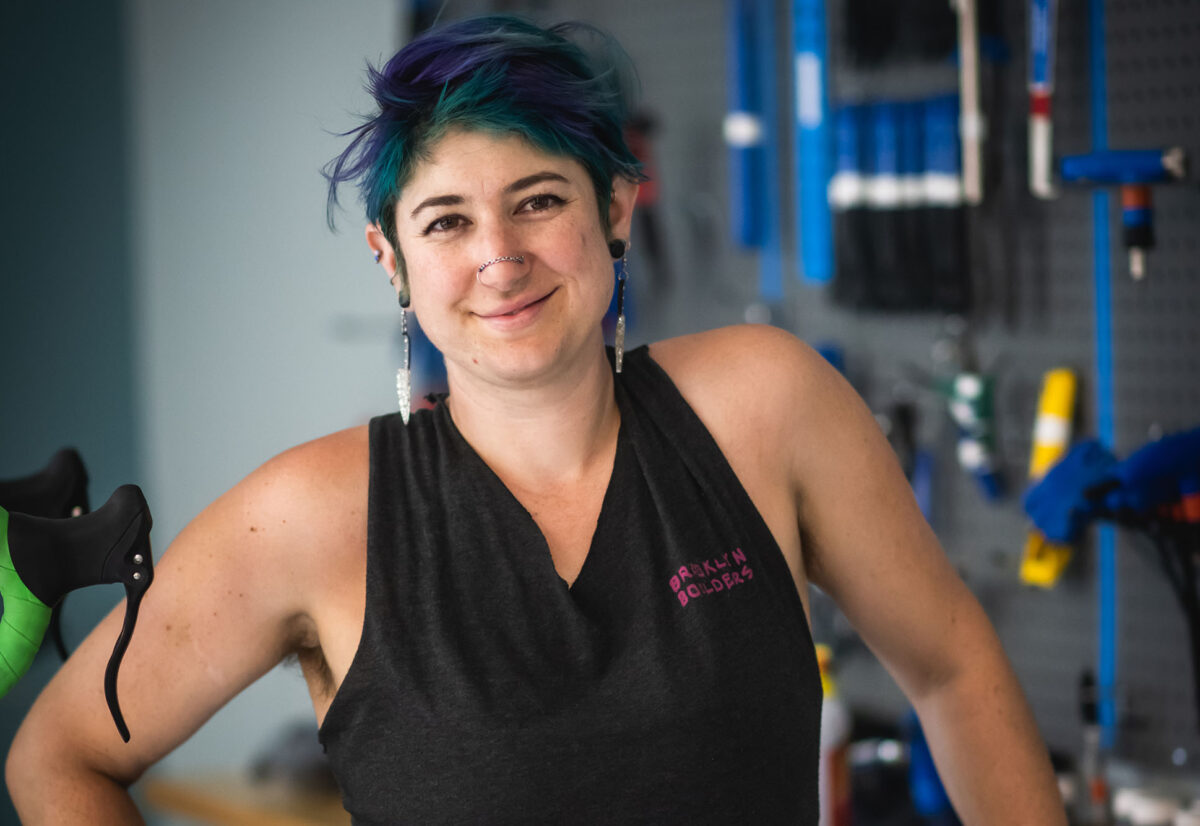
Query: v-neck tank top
column 673, row 682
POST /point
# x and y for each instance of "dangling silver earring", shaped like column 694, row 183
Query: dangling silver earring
column 404, row 374
column 618, row 249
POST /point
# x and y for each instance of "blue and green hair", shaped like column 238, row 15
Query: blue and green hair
column 497, row 73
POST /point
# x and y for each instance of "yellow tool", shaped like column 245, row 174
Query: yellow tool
column 1043, row 561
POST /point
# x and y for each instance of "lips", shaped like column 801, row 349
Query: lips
column 516, row 307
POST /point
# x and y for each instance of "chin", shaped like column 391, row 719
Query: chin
column 516, row 361
column 527, row 359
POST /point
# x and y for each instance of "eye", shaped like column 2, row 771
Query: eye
column 542, row 202
column 444, row 224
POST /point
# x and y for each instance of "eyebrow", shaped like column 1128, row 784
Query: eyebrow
column 515, row 186
column 531, row 180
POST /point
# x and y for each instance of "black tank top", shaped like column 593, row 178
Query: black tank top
column 673, row 682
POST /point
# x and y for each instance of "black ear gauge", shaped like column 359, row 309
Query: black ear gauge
column 617, row 248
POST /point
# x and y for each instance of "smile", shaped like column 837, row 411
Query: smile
column 520, row 309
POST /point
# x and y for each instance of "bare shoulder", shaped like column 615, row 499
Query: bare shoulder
column 307, row 509
column 263, row 552
column 754, row 374
column 321, row 481
column 789, row 404
column 311, row 490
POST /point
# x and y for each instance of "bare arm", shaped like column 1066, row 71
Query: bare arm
column 868, row 546
column 230, row 599
column 863, row 540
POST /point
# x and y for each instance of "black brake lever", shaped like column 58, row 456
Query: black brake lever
column 130, row 563
column 110, row 544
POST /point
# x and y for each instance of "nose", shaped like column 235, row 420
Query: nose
column 502, row 265
column 502, row 273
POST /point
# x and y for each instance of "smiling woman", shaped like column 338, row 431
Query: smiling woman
column 568, row 593
column 534, row 311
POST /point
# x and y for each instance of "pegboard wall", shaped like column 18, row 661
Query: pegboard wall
column 1034, row 310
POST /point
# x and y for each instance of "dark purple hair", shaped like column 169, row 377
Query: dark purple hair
column 497, row 73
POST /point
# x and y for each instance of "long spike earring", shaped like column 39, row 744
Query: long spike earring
column 618, row 249
column 404, row 374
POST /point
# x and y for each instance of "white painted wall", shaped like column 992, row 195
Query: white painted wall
column 257, row 328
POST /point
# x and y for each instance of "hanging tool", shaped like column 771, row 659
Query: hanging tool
column 912, row 215
column 971, row 122
column 889, row 285
column 750, row 131
column 1043, row 561
column 847, row 198
column 743, row 128
column 969, row 394
column 1133, row 171
column 1043, row 23
column 770, row 259
column 970, row 399
column 945, row 215
column 814, row 226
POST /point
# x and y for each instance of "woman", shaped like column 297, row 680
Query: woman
column 576, row 590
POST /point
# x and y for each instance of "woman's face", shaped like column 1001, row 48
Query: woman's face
column 480, row 196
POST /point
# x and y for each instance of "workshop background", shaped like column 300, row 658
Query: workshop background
column 177, row 309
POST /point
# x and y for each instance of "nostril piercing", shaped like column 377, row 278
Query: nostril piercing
column 516, row 259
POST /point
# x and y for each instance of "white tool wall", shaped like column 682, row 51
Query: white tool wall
column 1033, row 277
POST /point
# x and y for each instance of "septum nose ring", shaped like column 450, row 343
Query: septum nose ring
column 516, row 259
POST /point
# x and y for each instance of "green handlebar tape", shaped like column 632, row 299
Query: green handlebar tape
column 24, row 621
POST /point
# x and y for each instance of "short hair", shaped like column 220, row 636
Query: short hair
column 496, row 73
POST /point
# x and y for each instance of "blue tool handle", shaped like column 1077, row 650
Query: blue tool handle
column 941, row 135
column 848, row 139
column 942, row 175
column 745, row 131
column 884, row 169
column 1133, row 166
column 770, row 261
column 812, row 150
column 1041, row 43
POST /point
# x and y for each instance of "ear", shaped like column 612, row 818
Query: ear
column 382, row 248
column 620, row 209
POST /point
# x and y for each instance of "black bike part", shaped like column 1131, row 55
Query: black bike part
column 111, row 544
column 55, row 630
column 57, row 491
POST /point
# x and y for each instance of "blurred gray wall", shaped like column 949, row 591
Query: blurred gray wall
column 173, row 303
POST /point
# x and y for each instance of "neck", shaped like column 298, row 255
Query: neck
column 554, row 431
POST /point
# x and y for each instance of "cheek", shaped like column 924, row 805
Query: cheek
column 433, row 280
